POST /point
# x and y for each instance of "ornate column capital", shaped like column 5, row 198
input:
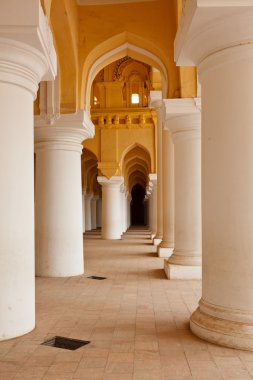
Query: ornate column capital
column 67, row 132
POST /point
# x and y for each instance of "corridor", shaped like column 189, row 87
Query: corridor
column 137, row 322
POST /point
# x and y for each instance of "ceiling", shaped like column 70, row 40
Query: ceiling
column 103, row 2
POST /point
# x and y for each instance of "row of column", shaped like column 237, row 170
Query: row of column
column 225, row 312
column 179, row 212
column 92, row 211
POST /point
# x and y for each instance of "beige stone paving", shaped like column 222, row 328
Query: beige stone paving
column 137, row 322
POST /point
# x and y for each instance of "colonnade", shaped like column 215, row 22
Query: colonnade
column 215, row 185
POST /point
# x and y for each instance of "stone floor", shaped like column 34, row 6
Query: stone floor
column 136, row 320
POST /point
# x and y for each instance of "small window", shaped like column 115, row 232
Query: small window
column 95, row 100
column 135, row 99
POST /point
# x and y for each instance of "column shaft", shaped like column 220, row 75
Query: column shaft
column 58, row 217
column 166, row 247
column 94, row 212
column 22, row 67
column 227, row 186
column 225, row 313
column 88, row 198
column 185, row 262
column 153, row 204
column 99, row 212
column 83, row 209
column 111, row 207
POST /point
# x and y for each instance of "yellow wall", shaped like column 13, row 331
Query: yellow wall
column 83, row 33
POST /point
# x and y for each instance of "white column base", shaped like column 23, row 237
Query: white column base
column 182, row 272
column 156, row 241
column 223, row 326
column 164, row 251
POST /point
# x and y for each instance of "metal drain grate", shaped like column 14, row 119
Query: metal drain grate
column 65, row 343
column 97, row 278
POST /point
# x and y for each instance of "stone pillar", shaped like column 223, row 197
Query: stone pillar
column 123, row 208
column 146, row 209
column 184, row 122
column 128, row 210
column 88, row 198
column 225, row 313
column 83, row 208
column 27, row 56
column 94, row 212
column 99, row 212
column 158, row 104
column 153, row 213
column 111, row 207
column 58, row 217
column 166, row 247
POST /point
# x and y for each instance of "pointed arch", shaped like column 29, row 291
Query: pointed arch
column 130, row 150
column 114, row 48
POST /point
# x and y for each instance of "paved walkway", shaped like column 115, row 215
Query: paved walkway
column 136, row 320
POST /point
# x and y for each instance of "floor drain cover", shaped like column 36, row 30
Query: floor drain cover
column 66, row 343
column 97, row 278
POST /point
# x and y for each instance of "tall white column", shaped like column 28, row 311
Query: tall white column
column 153, row 213
column 99, row 213
column 111, row 207
column 25, row 43
column 94, row 212
column 165, row 248
column 124, row 209
column 184, row 122
column 157, row 102
column 83, row 208
column 128, row 210
column 225, row 313
column 88, row 198
column 58, row 216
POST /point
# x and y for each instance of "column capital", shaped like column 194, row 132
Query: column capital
column 89, row 196
column 122, row 188
column 183, row 118
column 153, row 178
column 67, row 132
column 27, row 53
column 115, row 181
column 156, row 101
column 208, row 26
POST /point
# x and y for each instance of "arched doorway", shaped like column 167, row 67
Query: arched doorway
column 138, row 214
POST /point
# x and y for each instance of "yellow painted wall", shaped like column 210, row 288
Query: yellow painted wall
column 78, row 30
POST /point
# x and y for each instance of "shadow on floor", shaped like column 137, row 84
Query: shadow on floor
column 158, row 273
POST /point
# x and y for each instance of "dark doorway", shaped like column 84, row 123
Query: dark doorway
column 137, row 206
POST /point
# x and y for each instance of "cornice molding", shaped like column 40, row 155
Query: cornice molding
column 115, row 181
column 183, row 118
column 30, row 31
column 67, row 132
column 209, row 26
